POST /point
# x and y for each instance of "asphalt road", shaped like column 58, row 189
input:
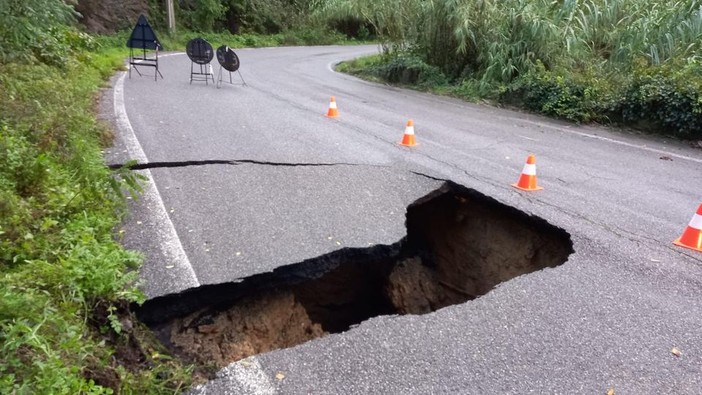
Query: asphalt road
column 608, row 318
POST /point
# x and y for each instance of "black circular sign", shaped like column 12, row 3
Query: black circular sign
column 199, row 51
column 227, row 58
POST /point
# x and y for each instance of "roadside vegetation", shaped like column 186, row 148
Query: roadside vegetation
column 628, row 62
column 287, row 22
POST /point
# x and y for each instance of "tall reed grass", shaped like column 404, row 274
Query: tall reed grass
column 602, row 48
column 500, row 39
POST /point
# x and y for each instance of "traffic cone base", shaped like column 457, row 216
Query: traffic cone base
column 692, row 236
column 527, row 180
column 333, row 112
column 679, row 242
column 408, row 139
column 536, row 188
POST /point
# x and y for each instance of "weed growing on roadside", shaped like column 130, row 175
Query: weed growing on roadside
column 59, row 206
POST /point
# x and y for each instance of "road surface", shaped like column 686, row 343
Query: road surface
column 301, row 185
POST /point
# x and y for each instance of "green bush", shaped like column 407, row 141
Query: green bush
column 201, row 15
column 311, row 36
column 240, row 16
column 410, row 70
column 39, row 30
column 554, row 95
column 263, row 17
column 666, row 99
column 59, row 206
column 473, row 90
column 352, row 27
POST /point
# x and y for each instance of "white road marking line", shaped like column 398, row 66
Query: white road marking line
column 527, row 138
column 250, row 374
column 167, row 237
column 160, row 56
column 247, row 373
column 630, row 145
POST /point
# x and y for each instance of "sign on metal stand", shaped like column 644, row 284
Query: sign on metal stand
column 201, row 53
column 228, row 61
column 143, row 39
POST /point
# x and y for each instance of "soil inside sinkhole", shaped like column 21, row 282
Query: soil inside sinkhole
column 460, row 244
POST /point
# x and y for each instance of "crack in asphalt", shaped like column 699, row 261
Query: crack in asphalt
column 638, row 239
column 429, row 177
column 232, row 162
column 456, row 167
column 683, row 252
column 633, row 237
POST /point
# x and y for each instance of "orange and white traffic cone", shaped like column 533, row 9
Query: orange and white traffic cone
column 333, row 112
column 408, row 137
column 527, row 180
column 692, row 236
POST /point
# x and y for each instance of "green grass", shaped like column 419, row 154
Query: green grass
column 364, row 67
column 65, row 280
column 409, row 72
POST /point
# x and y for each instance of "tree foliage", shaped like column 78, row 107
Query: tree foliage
column 252, row 16
column 32, row 30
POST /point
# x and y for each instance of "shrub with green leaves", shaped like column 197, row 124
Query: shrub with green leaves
column 583, row 96
column 39, row 30
column 410, row 70
column 201, row 15
column 667, row 98
column 555, row 95
column 59, row 260
column 240, row 16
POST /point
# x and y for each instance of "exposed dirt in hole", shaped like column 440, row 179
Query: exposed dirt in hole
column 348, row 294
column 414, row 288
column 473, row 245
column 460, row 244
column 285, row 316
column 252, row 326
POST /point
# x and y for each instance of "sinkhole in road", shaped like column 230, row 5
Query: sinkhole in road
column 460, row 244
